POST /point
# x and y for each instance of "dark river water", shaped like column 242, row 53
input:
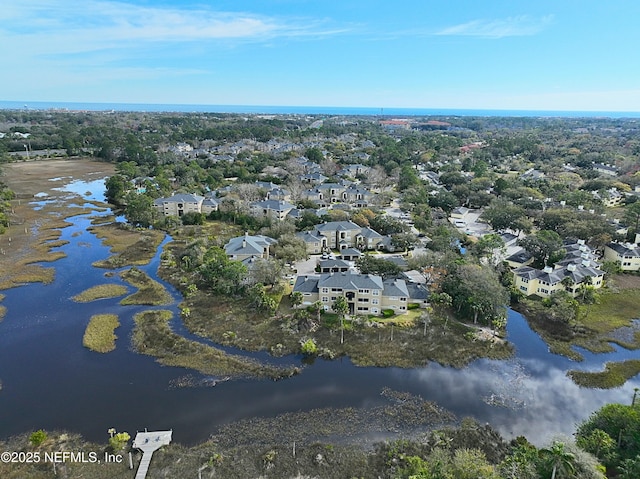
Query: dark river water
column 50, row 381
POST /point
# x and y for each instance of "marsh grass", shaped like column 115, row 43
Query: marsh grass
column 596, row 326
column 615, row 374
column 28, row 273
column 149, row 292
column 99, row 335
column 153, row 336
column 366, row 343
column 129, row 247
column 100, row 291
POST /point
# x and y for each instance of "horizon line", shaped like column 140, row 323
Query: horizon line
column 269, row 109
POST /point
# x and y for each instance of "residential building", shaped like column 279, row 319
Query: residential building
column 245, row 247
column 339, row 234
column 179, row 204
column 605, row 169
column 626, row 255
column 365, row 293
column 274, row 209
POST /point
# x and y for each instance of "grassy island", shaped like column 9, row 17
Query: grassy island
column 129, row 246
column 149, row 292
column 615, row 374
column 99, row 335
column 153, row 336
column 101, row 291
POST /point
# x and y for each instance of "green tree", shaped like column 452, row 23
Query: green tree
column 308, row 347
column 476, row 291
column 266, row 271
column 139, row 210
column 598, row 443
column 558, row 460
column 222, row 275
column 543, row 245
column 369, row 264
column 118, row 441
column 116, row 188
column 38, row 437
column 296, row 299
column 485, row 246
column 502, row 215
column 621, row 423
column 632, row 216
column 630, row 468
column 290, row 249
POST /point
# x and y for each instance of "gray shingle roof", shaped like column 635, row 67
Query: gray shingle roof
column 395, row 287
column 306, row 284
column 248, row 245
column 350, row 281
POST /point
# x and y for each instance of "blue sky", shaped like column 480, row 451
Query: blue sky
column 494, row 54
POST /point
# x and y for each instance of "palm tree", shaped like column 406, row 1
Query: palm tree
column 586, row 283
column 296, row 299
column 567, row 282
column 341, row 307
column 560, row 460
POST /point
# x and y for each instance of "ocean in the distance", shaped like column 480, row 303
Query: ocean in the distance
column 303, row 110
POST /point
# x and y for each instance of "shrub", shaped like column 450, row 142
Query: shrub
column 387, row 313
column 309, row 347
column 38, row 437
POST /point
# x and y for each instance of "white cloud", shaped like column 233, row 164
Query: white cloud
column 523, row 25
column 541, row 401
column 68, row 27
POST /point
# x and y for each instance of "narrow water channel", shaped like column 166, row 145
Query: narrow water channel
column 50, row 381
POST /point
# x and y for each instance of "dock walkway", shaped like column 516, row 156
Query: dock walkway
column 149, row 442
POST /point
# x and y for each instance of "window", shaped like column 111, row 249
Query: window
column 333, row 298
column 523, row 288
column 363, row 291
column 325, row 299
column 336, row 290
column 360, row 308
column 325, row 290
column 403, row 299
column 375, row 292
column 374, row 301
column 524, row 280
column 374, row 310
column 363, row 300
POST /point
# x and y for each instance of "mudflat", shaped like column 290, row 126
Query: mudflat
column 32, row 230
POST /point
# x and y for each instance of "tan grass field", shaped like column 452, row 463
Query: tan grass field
column 33, row 233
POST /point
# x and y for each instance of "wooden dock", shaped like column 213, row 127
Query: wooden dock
column 149, row 442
